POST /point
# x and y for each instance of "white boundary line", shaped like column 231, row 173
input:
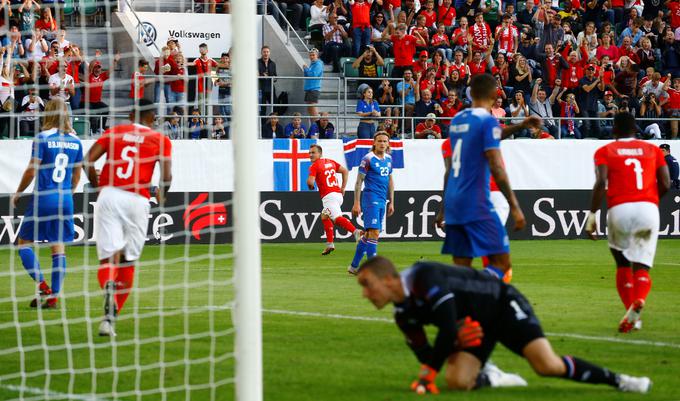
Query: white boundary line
column 50, row 393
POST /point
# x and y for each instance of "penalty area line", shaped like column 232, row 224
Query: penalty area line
column 50, row 393
column 549, row 334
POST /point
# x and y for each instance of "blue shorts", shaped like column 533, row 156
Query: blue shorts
column 476, row 238
column 374, row 212
column 50, row 219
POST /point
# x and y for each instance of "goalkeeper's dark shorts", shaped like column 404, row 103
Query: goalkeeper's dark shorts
column 516, row 326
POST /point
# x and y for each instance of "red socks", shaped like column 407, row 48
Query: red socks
column 624, row 284
column 123, row 276
column 344, row 223
column 643, row 283
column 328, row 228
column 485, row 261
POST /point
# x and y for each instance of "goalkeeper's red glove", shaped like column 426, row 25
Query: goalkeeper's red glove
column 470, row 333
column 425, row 382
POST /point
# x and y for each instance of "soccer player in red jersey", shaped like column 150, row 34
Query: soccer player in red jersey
column 634, row 175
column 121, row 215
column 323, row 172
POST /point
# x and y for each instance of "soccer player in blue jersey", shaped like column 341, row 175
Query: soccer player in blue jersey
column 56, row 157
column 375, row 173
column 471, row 154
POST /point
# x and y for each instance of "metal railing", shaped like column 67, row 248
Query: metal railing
column 288, row 27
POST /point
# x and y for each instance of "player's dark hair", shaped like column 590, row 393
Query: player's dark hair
column 380, row 266
column 141, row 110
column 483, row 87
column 142, row 63
column 318, row 147
column 624, row 125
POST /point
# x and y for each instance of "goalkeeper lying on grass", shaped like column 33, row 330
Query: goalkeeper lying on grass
column 473, row 311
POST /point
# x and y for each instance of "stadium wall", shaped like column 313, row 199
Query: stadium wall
column 552, row 178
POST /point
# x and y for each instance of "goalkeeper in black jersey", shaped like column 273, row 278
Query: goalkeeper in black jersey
column 473, row 311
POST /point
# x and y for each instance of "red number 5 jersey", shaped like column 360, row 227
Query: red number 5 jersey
column 632, row 166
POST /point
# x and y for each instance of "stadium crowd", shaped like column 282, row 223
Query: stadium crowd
column 573, row 63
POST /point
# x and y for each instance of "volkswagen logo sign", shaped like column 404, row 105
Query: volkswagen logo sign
column 147, row 33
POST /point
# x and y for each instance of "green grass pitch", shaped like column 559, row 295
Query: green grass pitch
column 314, row 347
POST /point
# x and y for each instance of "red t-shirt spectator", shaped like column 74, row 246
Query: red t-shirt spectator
column 361, row 17
column 674, row 8
column 477, row 68
column 203, row 68
column 447, row 17
column 404, row 49
column 430, row 17
column 93, row 91
column 138, row 80
column 612, row 52
column 674, row 99
column 450, row 107
column 421, row 127
column 481, row 36
column 177, row 85
column 42, row 24
column 462, row 70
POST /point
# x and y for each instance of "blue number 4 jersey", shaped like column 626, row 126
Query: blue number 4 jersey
column 472, row 132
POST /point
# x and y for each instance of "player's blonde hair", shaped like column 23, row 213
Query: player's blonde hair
column 57, row 116
column 377, row 134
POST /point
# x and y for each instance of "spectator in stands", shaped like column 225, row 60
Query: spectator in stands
column 224, row 89
column 538, row 133
column 461, row 36
column 426, row 105
column 312, row 87
column 219, row 130
column 552, row 33
column 96, row 78
column 367, row 64
column 340, row 9
column 36, row 46
column 13, row 42
column 319, row 18
column 446, row 15
column 138, row 81
column 382, row 45
column 272, row 128
column 27, row 16
column 520, row 75
column 498, row 111
column 422, row 31
column 174, row 46
column 482, row 37
column 507, row 36
column 404, row 48
column 421, row 65
column 46, row 24
column 196, row 126
column 204, row 68
column 296, row 13
column 172, row 127
column 577, row 61
column 334, row 45
column 428, row 129
column 6, row 94
column 367, row 108
column 361, row 24
column 61, row 84
column 541, row 106
column 390, row 127
column 626, row 80
column 266, row 69
column 650, row 110
column 673, row 168
column 591, row 88
column 48, row 66
column 607, row 48
column 634, row 32
column 673, row 104
column 440, row 43
column 75, row 67
column 322, row 128
column 460, row 67
column 165, row 70
column 385, row 96
column 519, row 111
column 31, row 106
column 435, row 86
column 479, row 62
column 61, row 40
column 655, row 86
column 568, row 110
column 295, row 129
column 406, row 94
column 178, row 84
column 525, row 18
column 607, row 109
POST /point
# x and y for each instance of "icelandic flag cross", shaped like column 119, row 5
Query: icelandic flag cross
column 291, row 164
column 356, row 149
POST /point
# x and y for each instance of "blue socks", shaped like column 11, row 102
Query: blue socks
column 371, row 247
column 359, row 253
column 58, row 272
column 366, row 246
column 494, row 272
column 31, row 264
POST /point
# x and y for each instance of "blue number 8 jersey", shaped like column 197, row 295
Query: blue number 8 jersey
column 471, row 133
column 49, row 214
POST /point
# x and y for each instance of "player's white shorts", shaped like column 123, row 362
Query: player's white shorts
column 633, row 228
column 331, row 205
column 501, row 205
column 120, row 223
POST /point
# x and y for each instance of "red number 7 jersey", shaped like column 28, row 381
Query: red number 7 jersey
column 132, row 151
column 632, row 166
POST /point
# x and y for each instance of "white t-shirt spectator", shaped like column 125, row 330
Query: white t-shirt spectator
column 29, row 111
column 56, row 81
column 38, row 51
